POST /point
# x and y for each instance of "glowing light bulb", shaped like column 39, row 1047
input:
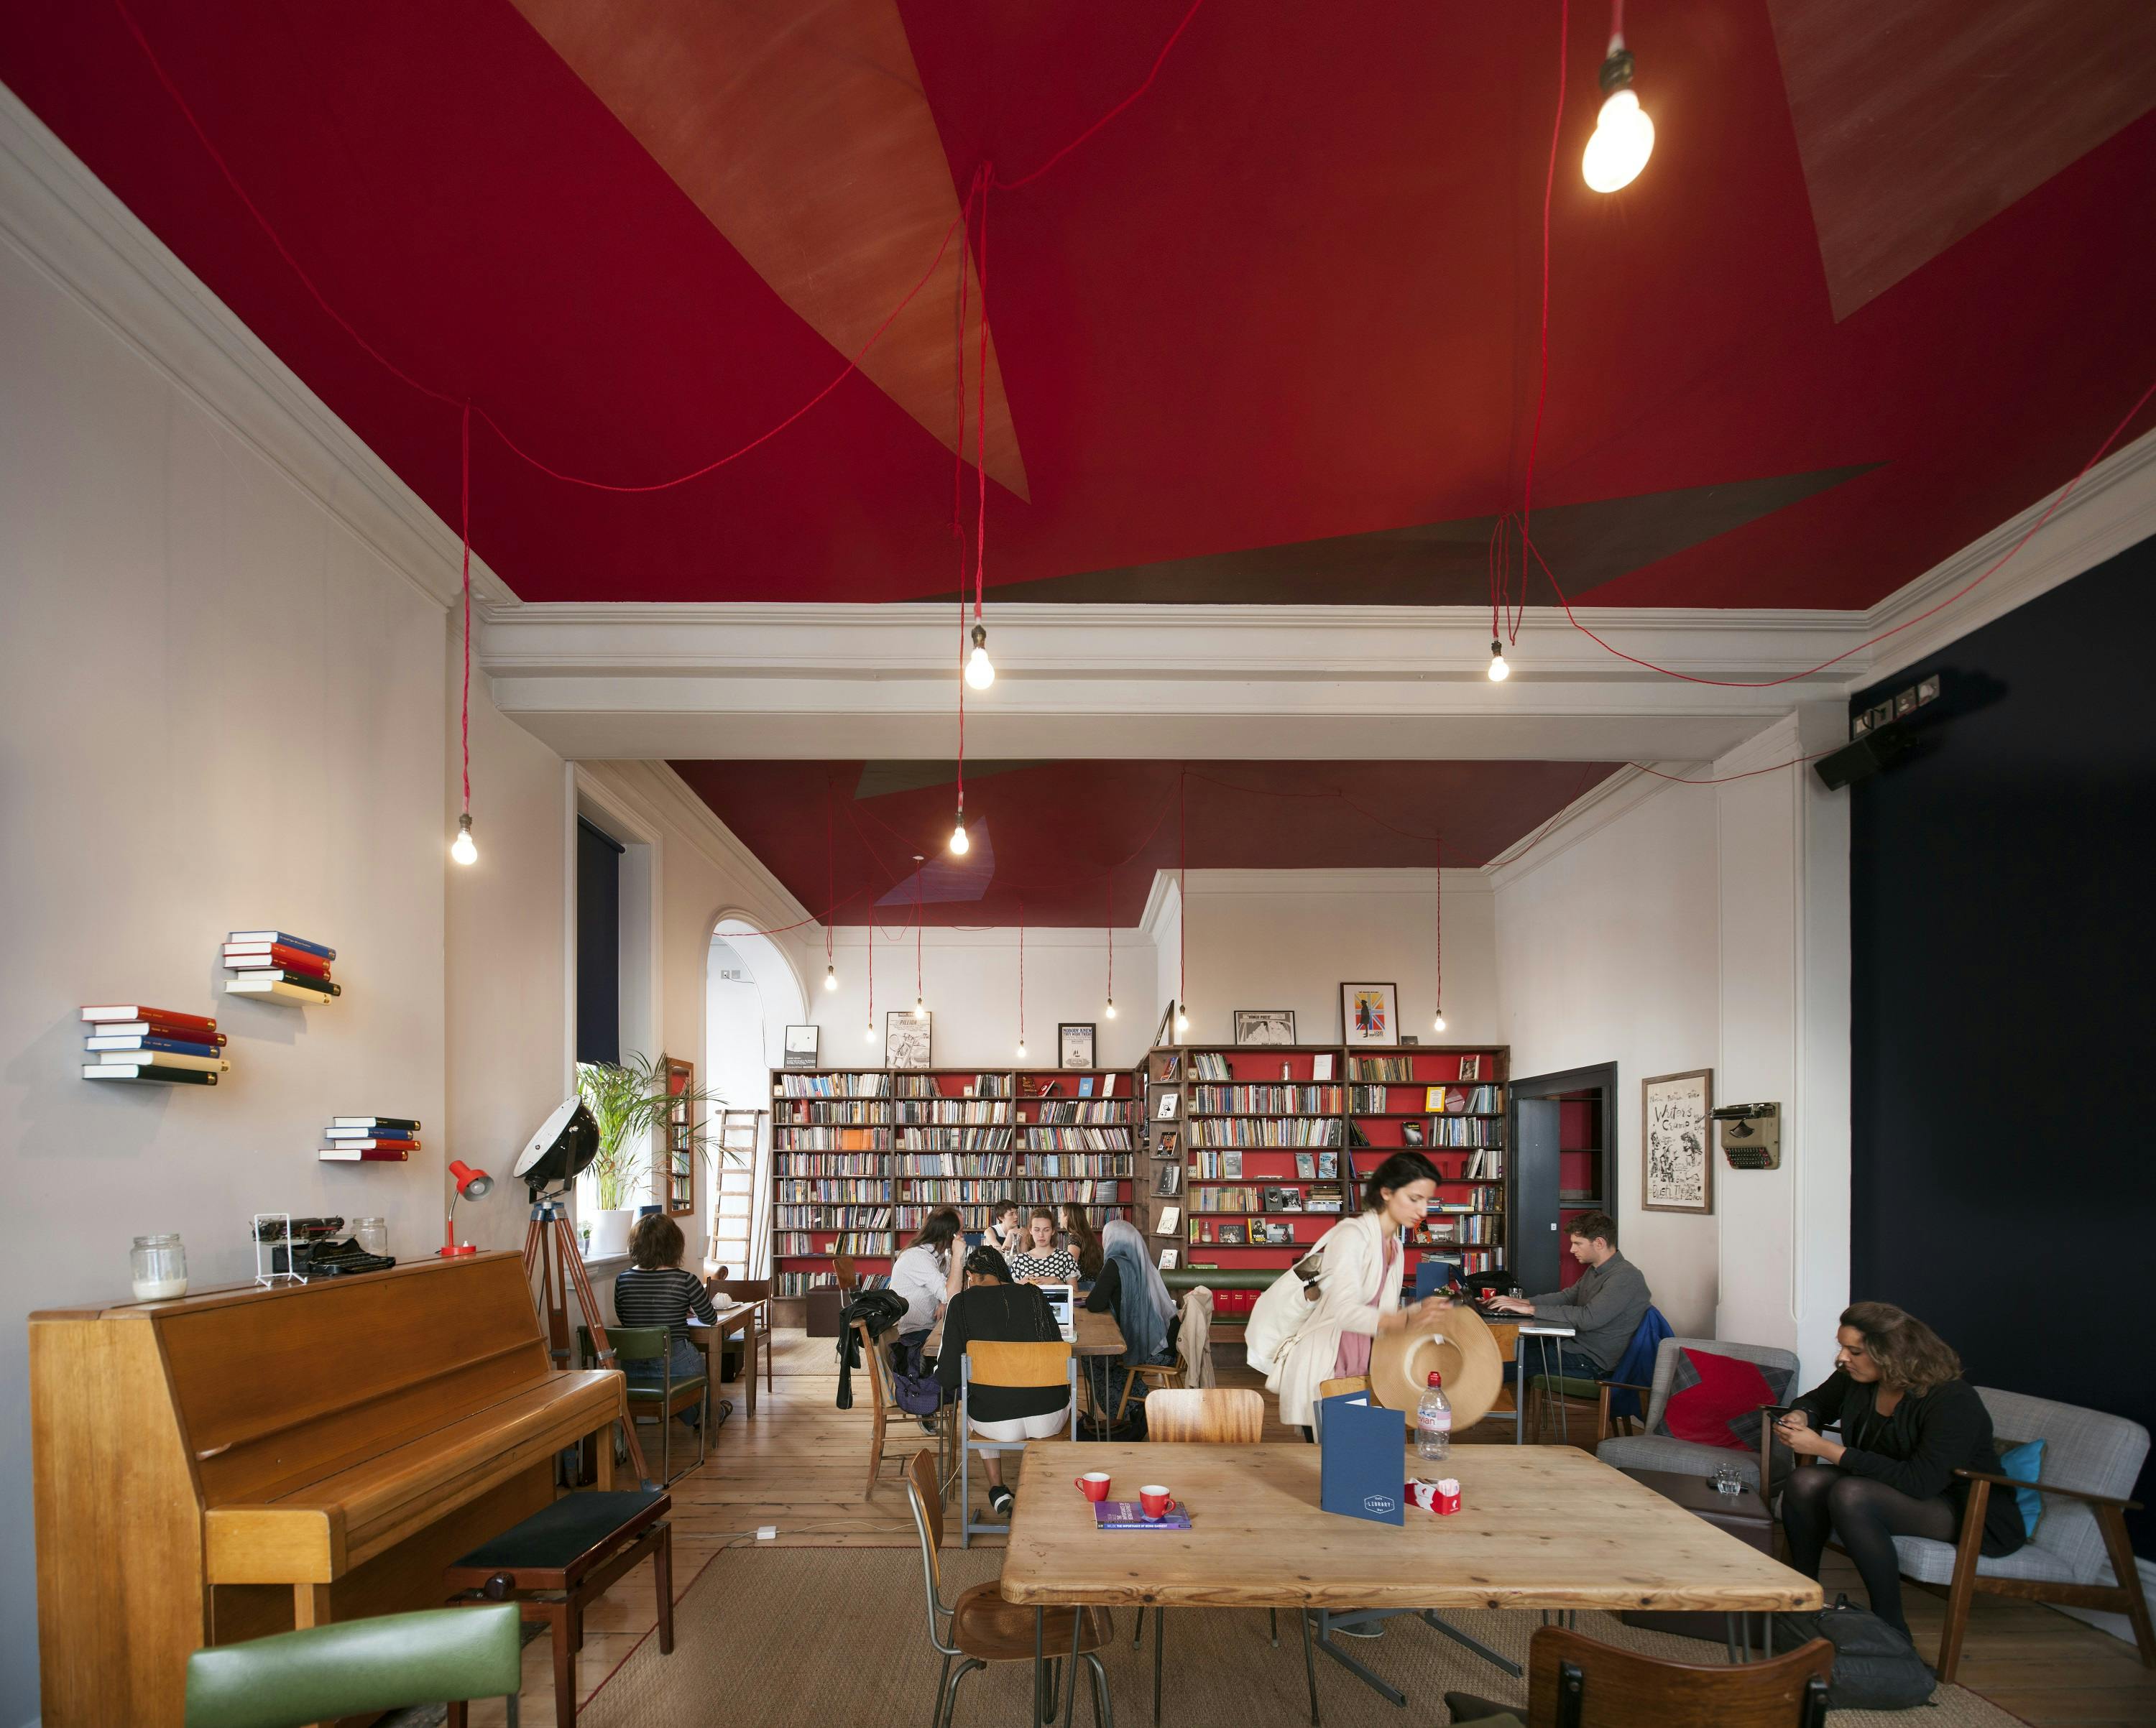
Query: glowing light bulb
column 1499, row 671
column 1437, row 1024
column 1111, row 1013
column 960, row 845
column 830, row 977
column 980, row 670
column 920, row 1009
column 1182, row 1017
column 1021, row 1049
column 461, row 848
column 869, row 1036
column 1623, row 139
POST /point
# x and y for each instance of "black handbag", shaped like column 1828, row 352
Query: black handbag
column 1875, row 1667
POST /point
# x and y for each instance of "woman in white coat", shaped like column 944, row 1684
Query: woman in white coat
column 1359, row 1290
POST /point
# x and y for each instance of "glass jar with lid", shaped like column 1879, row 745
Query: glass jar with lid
column 159, row 1266
column 372, row 1234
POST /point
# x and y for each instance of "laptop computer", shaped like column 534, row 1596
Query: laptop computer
column 1062, row 1303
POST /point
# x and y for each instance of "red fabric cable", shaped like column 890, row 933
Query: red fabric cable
column 1021, row 974
column 1112, row 938
column 1549, row 188
column 831, row 874
column 1159, row 60
column 1182, row 895
column 1438, row 945
column 981, row 417
column 920, row 991
column 464, row 721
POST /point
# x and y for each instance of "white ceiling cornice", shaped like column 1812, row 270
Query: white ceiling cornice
column 62, row 219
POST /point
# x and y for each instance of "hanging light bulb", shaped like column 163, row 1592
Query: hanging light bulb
column 830, row 977
column 1182, row 1016
column 960, row 845
column 1437, row 1023
column 1111, row 1012
column 1624, row 136
column 980, row 670
column 1499, row 671
column 1021, row 1049
column 869, row 1036
column 461, row 848
column 919, row 1008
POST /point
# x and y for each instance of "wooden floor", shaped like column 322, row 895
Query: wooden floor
column 802, row 1465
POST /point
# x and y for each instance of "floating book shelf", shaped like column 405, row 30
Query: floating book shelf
column 369, row 1139
column 278, row 966
column 129, row 1041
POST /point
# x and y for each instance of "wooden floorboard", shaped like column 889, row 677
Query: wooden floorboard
column 802, row 1464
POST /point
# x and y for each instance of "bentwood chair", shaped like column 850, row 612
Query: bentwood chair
column 884, row 1407
column 981, row 1627
column 660, row 1403
column 1575, row 1682
column 990, row 1362
column 1210, row 1415
column 358, row 1668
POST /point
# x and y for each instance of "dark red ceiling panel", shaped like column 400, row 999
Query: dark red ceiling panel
column 1290, row 295
column 1070, row 838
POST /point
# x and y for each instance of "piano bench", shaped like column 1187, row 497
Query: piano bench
column 554, row 1563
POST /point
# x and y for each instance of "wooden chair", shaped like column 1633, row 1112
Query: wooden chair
column 983, row 1627
column 756, row 1292
column 1575, row 1682
column 1156, row 1375
column 883, row 1403
column 1210, row 1416
column 846, row 1272
column 663, row 1401
column 1213, row 1415
column 990, row 1362
column 562, row 1559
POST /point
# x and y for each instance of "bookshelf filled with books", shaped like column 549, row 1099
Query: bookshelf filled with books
column 861, row 1156
column 1270, row 1144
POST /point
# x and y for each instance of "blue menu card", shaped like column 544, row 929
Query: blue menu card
column 1364, row 1448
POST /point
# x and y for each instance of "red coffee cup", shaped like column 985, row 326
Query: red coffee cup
column 1156, row 1500
column 1093, row 1485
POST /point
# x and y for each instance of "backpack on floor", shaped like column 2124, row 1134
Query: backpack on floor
column 1875, row 1667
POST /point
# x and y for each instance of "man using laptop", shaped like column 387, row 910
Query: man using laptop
column 1604, row 1308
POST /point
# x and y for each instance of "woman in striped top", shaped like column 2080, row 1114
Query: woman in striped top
column 1040, row 1260
column 654, row 1291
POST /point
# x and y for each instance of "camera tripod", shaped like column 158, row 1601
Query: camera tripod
column 550, row 1250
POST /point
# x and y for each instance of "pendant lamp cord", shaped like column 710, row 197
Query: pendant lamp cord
column 465, row 718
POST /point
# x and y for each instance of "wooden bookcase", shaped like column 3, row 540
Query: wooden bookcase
column 860, row 1156
column 1262, row 1132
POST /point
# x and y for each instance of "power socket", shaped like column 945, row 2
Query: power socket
column 766, row 1533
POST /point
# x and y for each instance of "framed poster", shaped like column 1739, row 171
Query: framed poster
column 801, row 1045
column 1265, row 1026
column 1073, row 1041
column 1369, row 1014
column 1676, row 1173
column 907, row 1037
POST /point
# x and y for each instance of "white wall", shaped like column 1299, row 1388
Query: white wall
column 155, row 799
column 1668, row 927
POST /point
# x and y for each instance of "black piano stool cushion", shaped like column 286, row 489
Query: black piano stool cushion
column 556, row 1535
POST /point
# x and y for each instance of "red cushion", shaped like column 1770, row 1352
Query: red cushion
column 1729, row 1387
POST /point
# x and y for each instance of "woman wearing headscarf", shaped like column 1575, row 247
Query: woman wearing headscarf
column 1129, row 1288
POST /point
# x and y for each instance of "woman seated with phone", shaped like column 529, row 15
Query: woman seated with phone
column 994, row 1306
column 1909, row 1422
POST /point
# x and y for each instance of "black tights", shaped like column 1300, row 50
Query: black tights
column 1823, row 1500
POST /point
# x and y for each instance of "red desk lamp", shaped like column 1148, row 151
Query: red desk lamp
column 470, row 1184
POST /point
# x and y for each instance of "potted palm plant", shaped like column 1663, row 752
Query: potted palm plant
column 630, row 1103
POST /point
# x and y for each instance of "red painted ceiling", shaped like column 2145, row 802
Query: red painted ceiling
column 1288, row 296
column 1057, row 839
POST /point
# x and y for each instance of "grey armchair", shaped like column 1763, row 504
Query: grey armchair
column 2090, row 1463
column 1658, row 1449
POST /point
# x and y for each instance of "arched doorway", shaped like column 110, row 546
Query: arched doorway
column 750, row 995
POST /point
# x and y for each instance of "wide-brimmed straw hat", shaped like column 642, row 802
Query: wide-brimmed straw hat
column 1457, row 1345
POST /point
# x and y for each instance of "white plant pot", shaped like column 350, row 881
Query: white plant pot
column 610, row 1234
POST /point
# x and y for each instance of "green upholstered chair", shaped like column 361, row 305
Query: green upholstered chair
column 357, row 1667
column 659, row 1403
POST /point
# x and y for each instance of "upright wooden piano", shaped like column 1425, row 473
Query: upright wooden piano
column 237, row 1463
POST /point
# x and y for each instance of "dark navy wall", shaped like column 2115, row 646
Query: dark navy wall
column 2002, row 877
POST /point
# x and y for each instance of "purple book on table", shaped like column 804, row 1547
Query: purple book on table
column 1130, row 1515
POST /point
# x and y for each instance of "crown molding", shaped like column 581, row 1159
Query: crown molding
column 1409, row 880
column 70, row 228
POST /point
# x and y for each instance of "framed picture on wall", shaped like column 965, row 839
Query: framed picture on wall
column 1676, row 1170
column 801, row 1042
column 1369, row 1014
column 1074, row 1042
column 1265, row 1026
column 906, row 1037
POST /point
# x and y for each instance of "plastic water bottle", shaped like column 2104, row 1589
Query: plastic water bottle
column 1433, row 1423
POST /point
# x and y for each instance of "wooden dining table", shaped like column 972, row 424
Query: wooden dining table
column 1543, row 1527
column 732, row 1317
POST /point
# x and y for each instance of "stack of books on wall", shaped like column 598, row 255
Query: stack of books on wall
column 129, row 1042
column 370, row 1140
column 273, row 963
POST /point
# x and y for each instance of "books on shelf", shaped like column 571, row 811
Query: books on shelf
column 205, row 1059
column 353, row 1151
column 148, row 1047
column 1169, row 1221
column 272, row 954
column 287, row 987
column 254, row 938
column 1321, row 1065
column 148, row 1071
column 1305, row 1166
column 354, row 1126
column 277, row 964
column 1267, row 1100
column 1264, row 1131
column 118, row 1021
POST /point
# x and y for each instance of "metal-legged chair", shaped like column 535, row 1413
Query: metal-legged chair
column 990, row 1363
